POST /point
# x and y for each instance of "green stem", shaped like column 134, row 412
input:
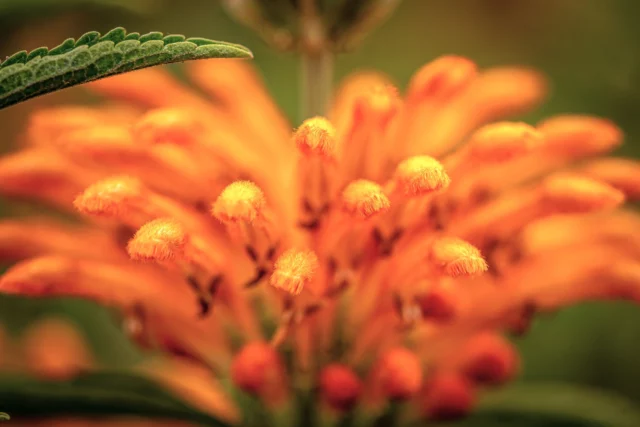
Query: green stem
column 316, row 82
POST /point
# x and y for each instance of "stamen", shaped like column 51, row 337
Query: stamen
column 111, row 197
column 419, row 175
column 240, row 201
column 400, row 374
column 294, row 270
column 364, row 199
column 457, row 257
column 160, row 240
column 316, row 137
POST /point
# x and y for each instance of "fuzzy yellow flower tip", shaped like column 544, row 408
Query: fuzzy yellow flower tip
column 376, row 254
column 158, row 240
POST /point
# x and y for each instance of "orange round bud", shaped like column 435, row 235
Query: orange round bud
column 620, row 173
column 316, row 136
column 448, row 397
column 168, row 126
column 400, row 374
column 340, row 387
column 489, row 358
column 239, row 201
column 380, row 104
column 569, row 193
column 293, row 270
column 54, row 349
column 577, row 136
column 100, row 143
column 364, row 199
column 420, row 175
column 438, row 305
column 159, row 240
column 443, row 77
column 457, row 257
column 109, row 197
column 256, row 369
column 502, row 141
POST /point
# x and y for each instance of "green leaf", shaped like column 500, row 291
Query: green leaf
column 27, row 75
column 553, row 405
column 100, row 394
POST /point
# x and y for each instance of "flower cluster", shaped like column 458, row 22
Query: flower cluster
column 375, row 256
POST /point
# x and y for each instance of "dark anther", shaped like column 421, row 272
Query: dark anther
column 193, row 283
column 332, row 265
column 310, row 225
column 306, row 206
column 386, row 248
column 397, row 234
column 123, row 234
column 271, row 252
column 260, row 274
column 201, row 206
column 205, row 307
column 398, row 304
column 324, row 209
column 337, row 289
column 251, row 252
column 480, row 195
column 287, row 304
column 312, row 309
column 436, row 217
column 214, row 285
column 521, row 323
column 377, row 236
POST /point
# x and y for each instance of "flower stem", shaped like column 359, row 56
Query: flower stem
column 316, row 82
column 316, row 63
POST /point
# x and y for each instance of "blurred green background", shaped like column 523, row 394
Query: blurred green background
column 590, row 49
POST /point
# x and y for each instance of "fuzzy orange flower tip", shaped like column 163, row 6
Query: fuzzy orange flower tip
column 420, row 175
column 168, row 126
column 255, row 367
column 340, row 387
column 159, row 240
column 448, row 397
column 239, row 201
column 457, row 257
column 489, row 359
column 293, row 270
column 502, row 141
column 364, row 199
column 316, row 136
column 400, row 374
column 109, row 197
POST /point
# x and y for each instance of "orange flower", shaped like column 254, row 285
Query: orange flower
column 386, row 246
